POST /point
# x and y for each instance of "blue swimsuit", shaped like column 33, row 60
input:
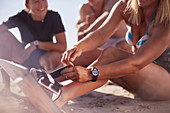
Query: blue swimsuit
column 142, row 40
column 163, row 60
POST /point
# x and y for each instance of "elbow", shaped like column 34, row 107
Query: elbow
column 136, row 65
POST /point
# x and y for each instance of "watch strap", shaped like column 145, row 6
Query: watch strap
column 94, row 77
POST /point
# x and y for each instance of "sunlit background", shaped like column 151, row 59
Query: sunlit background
column 68, row 10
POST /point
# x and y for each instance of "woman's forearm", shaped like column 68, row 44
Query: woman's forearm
column 92, row 41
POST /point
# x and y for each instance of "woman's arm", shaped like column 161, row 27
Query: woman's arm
column 146, row 54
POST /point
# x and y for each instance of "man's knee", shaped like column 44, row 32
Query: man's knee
column 50, row 61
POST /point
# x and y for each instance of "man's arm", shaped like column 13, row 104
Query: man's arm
column 59, row 46
column 85, row 9
column 96, row 24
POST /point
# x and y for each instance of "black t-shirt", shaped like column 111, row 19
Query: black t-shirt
column 36, row 30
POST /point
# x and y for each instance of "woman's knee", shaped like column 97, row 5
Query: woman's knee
column 124, row 46
column 109, row 52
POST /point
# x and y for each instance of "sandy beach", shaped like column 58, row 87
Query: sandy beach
column 108, row 99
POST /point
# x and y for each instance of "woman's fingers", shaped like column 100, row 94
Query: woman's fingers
column 65, row 59
column 76, row 54
column 70, row 73
column 69, row 56
column 76, row 73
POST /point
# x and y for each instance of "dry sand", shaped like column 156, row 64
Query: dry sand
column 108, row 99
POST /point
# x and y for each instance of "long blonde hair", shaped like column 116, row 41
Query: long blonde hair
column 162, row 15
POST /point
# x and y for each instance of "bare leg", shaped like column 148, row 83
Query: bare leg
column 87, row 58
column 145, row 82
column 124, row 46
column 75, row 90
column 6, row 81
column 9, row 50
column 151, row 82
column 50, row 61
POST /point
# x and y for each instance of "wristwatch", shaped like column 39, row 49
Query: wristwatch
column 36, row 43
column 94, row 73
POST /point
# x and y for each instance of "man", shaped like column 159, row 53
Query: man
column 92, row 14
column 37, row 26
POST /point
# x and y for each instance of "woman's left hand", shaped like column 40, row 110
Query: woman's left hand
column 76, row 73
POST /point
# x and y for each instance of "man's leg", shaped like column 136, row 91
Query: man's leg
column 50, row 60
column 9, row 50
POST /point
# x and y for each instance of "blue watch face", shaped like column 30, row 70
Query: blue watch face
column 95, row 73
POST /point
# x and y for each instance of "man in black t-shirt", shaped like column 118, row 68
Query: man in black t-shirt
column 37, row 26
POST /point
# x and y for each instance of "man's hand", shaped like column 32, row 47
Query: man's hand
column 90, row 18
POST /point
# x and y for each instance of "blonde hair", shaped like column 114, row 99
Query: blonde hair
column 162, row 15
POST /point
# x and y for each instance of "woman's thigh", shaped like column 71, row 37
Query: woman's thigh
column 152, row 82
column 111, row 54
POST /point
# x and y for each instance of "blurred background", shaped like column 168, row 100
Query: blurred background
column 68, row 10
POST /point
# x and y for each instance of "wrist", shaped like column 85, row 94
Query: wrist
column 90, row 76
column 36, row 44
column 93, row 74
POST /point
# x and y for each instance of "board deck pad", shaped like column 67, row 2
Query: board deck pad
column 36, row 95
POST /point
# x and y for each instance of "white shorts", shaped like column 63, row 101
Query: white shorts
column 111, row 42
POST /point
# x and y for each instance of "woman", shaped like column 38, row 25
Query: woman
column 136, row 72
column 37, row 26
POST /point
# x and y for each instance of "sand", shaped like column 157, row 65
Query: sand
column 108, row 99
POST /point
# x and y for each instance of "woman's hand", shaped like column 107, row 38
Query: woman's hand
column 70, row 55
column 76, row 73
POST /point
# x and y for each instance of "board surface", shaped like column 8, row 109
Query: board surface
column 29, row 86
